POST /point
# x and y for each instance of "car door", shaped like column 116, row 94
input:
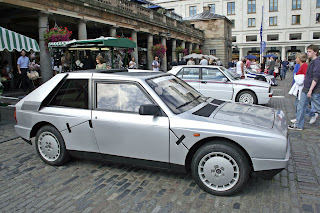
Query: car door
column 191, row 76
column 215, row 84
column 119, row 128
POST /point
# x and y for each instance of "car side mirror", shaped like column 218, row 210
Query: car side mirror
column 149, row 109
column 224, row 79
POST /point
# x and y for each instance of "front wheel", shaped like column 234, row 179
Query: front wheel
column 246, row 97
column 50, row 146
column 220, row 168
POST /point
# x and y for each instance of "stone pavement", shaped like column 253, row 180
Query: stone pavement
column 29, row 185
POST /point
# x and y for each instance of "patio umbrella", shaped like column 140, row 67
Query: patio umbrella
column 212, row 57
column 251, row 57
column 193, row 55
column 270, row 55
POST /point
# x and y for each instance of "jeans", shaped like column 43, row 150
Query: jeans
column 309, row 112
column 303, row 105
column 283, row 73
column 271, row 72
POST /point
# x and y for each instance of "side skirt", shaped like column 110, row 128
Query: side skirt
column 148, row 164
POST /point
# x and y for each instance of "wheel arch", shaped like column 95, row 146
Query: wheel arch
column 37, row 126
column 245, row 89
column 203, row 141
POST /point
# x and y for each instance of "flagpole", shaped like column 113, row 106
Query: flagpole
column 261, row 45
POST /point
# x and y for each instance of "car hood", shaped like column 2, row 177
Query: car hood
column 251, row 82
column 251, row 115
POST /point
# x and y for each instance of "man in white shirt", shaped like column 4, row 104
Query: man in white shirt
column 23, row 69
column 191, row 62
column 203, row 61
column 240, row 68
column 155, row 64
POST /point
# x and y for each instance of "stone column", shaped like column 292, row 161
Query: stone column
column 150, row 56
column 113, row 32
column 190, row 48
column 240, row 53
column 183, row 44
column 82, row 30
column 45, row 59
column 164, row 61
column 283, row 52
column 174, row 46
column 135, row 50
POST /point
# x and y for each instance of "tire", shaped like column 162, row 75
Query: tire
column 50, row 146
column 218, row 165
column 247, row 97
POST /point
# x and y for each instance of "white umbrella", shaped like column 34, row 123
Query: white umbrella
column 193, row 55
column 212, row 57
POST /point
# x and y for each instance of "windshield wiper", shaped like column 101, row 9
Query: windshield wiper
column 189, row 102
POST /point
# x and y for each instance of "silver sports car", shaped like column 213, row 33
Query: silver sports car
column 153, row 120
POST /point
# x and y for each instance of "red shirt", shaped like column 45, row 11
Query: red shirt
column 303, row 69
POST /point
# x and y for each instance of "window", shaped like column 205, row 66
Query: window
column 212, row 74
column 192, row 10
column 318, row 18
column 273, row 5
column 251, row 6
column 231, row 8
column 73, row 93
column 251, row 22
column 251, row 38
column 124, row 97
column 295, row 36
column 273, row 37
column 296, row 4
column 296, row 19
column 316, row 35
column 273, row 21
column 213, row 52
column 189, row 73
column 234, row 38
column 318, row 3
column 212, row 8
column 233, row 23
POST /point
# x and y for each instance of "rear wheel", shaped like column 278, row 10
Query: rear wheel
column 247, row 97
column 50, row 146
column 220, row 168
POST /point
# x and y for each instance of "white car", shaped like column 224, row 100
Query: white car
column 217, row 82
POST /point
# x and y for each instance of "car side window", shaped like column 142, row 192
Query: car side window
column 189, row 73
column 212, row 74
column 73, row 93
column 126, row 97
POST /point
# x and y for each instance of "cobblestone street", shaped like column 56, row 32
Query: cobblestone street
column 30, row 185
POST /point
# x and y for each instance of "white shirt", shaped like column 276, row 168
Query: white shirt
column 155, row 63
column 191, row 62
column 204, row 62
column 239, row 71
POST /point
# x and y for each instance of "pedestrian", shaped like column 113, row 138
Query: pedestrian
column 311, row 89
column 219, row 62
column 295, row 70
column 203, row 61
column 191, row 62
column 174, row 63
column 132, row 64
column 100, row 63
column 263, row 65
column 240, row 70
column 230, row 64
column 271, row 66
column 248, row 63
column 156, row 64
column 23, row 69
column 285, row 66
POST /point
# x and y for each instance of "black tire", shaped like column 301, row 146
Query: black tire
column 212, row 158
column 247, row 97
column 50, row 146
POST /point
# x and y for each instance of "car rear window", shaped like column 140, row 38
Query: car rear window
column 73, row 93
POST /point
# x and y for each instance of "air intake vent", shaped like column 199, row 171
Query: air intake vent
column 217, row 102
column 205, row 111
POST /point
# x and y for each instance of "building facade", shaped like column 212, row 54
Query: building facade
column 289, row 26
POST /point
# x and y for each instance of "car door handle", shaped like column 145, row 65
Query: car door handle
column 204, row 82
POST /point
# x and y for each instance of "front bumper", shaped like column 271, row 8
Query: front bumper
column 271, row 164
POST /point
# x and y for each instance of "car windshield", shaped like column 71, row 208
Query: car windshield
column 175, row 93
column 230, row 74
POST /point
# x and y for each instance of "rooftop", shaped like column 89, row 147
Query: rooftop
column 204, row 16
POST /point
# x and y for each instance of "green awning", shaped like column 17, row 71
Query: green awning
column 98, row 42
column 10, row 41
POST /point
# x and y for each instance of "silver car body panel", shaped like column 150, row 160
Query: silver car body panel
column 260, row 131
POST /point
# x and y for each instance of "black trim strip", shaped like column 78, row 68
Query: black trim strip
column 180, row 139
column 68, row 127
column 149, row 164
